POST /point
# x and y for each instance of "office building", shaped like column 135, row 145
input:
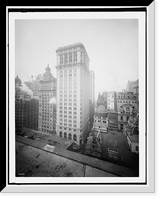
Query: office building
column 127, row 107
column 112, row 101
column 133, row 86
column 92, row 98
column 73, row 92
column 47, row 105
column 26, row 107
column 26, row 114
column 92, row 86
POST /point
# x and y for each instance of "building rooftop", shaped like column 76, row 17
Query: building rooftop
column 134, row 138
column 38, row 159
column 112, row 111
column 70, row 46
column 101, row 109
column 45, row 138
column 101, row 115
column 78, row 44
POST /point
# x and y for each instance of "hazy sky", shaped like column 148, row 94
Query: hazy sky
column 112, row 46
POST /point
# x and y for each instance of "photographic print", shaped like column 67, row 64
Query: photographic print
column 77, row 98
column 78, row 89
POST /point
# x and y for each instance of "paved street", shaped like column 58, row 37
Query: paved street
column 109, row 140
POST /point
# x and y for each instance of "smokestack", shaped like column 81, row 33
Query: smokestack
column 23, row 92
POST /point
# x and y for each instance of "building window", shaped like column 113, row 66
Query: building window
column 127, row 110
column 60, row 134
column 70, row 136
column 70, row 58
column 65, row 135
column 136, row 148
column 75, row 56
column 66, row 58
column 74, row 137
column 61, row 59
column 121, row 118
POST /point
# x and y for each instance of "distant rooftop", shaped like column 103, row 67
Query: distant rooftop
column 101, row 109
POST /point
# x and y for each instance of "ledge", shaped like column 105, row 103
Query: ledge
column 86, row 160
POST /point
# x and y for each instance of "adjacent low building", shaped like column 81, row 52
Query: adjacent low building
column 93, row 145
column 112, row 120
column 133, row 142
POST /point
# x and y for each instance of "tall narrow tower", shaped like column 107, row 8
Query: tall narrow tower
column 72, row 92
column 47, row 110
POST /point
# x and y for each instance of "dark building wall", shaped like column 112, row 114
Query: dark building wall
column 26, row 114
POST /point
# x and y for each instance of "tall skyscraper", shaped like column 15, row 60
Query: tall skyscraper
column 47, row 105
column 72, row 92
column 92, row 98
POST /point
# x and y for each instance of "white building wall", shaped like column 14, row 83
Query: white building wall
column 81, row 118
column 132, row 145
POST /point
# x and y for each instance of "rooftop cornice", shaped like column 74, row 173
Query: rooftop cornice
column 78, row 44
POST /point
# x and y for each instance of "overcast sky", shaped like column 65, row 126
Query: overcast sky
column 112, row 46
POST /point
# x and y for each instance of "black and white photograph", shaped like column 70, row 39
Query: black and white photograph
column 78, row 90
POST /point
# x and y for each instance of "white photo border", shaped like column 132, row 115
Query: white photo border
column 147, row 182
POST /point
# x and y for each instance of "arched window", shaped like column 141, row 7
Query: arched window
column 75, row 137
column 65, row 135
column 127, row 110
column 60, row 134
column 70, row 136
